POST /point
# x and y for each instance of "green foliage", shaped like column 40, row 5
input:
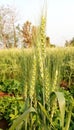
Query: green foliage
column 10, row 108
column 61, row 103
column 20, row 119
column 11, row 86
column 67, row 69
column 69, row 110
column 16, row 73
column 33, row 78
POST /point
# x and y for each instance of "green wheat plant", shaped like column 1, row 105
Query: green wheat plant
column 46, row 105
column 33, row 80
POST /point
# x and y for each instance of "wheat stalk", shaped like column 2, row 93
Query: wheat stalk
column 33, row 79
column 47, row 86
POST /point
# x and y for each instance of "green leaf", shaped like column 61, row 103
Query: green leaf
column 61, row 102
column 68, row 120
column 69, row 114
column 22, row 117
column 44, row 111
column 15, row 115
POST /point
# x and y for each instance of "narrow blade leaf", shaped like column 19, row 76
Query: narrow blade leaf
column 21, row 118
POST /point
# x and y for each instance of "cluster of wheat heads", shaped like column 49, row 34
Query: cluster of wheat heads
column 43, row 98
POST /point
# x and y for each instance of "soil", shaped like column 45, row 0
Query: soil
column 2, row 94
column 3, row 124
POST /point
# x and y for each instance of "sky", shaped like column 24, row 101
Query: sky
column 60, row 17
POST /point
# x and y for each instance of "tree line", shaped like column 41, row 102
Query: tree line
column 14, row 35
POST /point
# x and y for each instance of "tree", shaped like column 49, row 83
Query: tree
column 19, row 36
column 29, row 35
column 7, row 26
column 47, row 41
column 28, row 32
column 70, row 43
